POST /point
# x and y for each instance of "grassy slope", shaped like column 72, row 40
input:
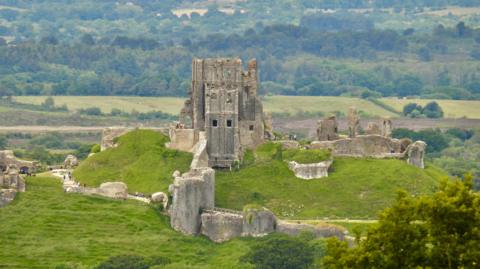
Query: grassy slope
column 141, row 161
column 451, row 108
column 45, row 227
column 357, row 188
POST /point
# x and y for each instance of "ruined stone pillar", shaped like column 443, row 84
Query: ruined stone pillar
column 353, row 122
column 416, row 153
column 387, row 128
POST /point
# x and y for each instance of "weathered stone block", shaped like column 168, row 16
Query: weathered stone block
column 258, row 221
column 117, row 190
column 310, row 171
column 295, row 229
column 221, row 226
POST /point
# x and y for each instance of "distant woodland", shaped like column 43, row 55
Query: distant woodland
column 348, row 48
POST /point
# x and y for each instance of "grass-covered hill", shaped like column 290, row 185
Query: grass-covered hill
column 141, row 161
column 355, row 188
column 45, row 227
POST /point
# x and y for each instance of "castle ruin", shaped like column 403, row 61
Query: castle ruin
column 224, row 104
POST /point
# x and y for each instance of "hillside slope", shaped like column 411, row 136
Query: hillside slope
column 45, row 227
column 141, row 161
column 356, row 188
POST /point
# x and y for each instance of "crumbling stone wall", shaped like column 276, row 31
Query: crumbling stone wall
column 8, row 159
column 327, row 129
column 362, row 146
column 373, row 129
column 182, row 139
column 110, row 134
column 11, row 182
column 192, row 192
column 387, row 128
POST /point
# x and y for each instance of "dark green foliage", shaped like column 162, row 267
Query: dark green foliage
column 408, row 109
column 437, row 231
column 432, row 110
column 124, row 262
column 280, row 252
column 91, row 111
column 133, row 262
column 462, row 134
column 3, row 142
column 435, row 138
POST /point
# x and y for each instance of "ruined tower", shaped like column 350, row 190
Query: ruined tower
column 223, row 103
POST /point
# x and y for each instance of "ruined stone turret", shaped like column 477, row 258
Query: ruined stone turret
column 224, row 103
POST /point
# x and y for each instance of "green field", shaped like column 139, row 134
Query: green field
column 451, row 108
column 170, row 105
column 277, row 104
column 141, row 161
column 45, row 227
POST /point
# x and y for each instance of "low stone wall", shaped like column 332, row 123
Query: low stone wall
column 182, row 139
column 310, row 171
column 221, row 226
column 374, row 146
column 326, row 230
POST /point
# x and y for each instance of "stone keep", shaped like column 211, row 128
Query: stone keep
column 353, row 122
column 327, row 129
column 224, row 103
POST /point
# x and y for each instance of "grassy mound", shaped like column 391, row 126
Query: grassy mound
column 45, row 227
column 356, row 188
column 141, row 161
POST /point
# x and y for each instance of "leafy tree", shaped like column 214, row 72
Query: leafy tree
column 280, row 252
column 432, row 110
column 437, row 231
column 410, row 107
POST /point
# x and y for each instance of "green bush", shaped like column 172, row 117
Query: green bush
column 280, row 252
column 133, row 262
column 95, row 148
